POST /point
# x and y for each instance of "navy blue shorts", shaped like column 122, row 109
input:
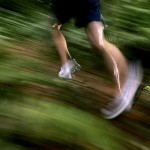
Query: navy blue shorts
column 82, row 11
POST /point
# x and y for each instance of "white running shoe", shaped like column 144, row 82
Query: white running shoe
column 125, row 100
column 68, row 69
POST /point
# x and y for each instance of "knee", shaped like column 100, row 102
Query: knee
column 56, row 26
column 56, row 32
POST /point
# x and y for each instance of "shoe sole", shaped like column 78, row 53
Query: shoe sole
column 75, row 69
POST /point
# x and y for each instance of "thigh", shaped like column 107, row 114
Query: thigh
column 94, row 31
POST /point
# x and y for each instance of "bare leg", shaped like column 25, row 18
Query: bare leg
column 60, row 43
column 69, row 65
column 113, row 57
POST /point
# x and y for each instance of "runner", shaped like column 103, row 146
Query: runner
column 87, row 14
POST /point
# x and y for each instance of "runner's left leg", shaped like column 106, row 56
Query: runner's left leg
column 60, row 43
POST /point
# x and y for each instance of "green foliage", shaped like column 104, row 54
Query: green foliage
column 39, row 121
column 128, row 16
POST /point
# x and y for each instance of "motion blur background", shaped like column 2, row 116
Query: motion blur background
column 40, row 111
